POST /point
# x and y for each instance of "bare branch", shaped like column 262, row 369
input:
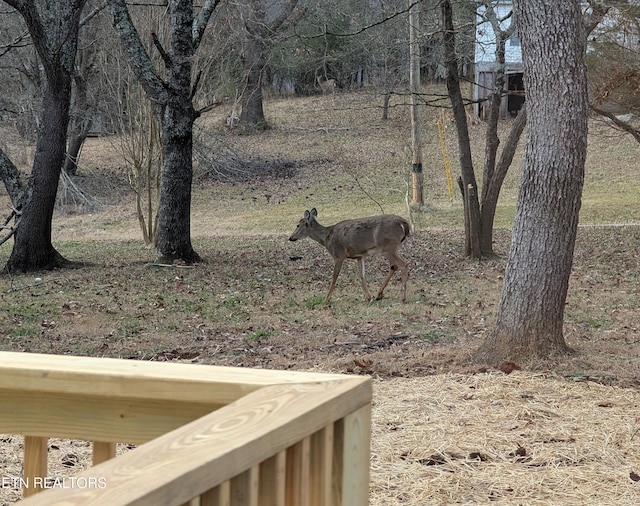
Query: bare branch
column 140, row 61
column 166, row 57
column 201, row 21
column 622, row 125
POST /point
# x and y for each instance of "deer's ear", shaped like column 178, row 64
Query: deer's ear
column 314, row 212
column 306, row 215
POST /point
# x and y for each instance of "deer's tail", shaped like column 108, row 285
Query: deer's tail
column 406, row 228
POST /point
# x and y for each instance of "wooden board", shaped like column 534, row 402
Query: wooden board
column 140, row 379
column 194, row 458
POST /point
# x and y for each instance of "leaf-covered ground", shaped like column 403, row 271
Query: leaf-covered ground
column 257, row 301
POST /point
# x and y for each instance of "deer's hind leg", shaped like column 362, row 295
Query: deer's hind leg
column 362, row 280
column 396, row 262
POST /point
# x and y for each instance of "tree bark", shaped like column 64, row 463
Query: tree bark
column 252, row 115
column 174, row 226
column 261, row 23
column 493, row 176
column 173, row 99
column 54, row 30
column 76, row 141
column 531, row 310
column 469, row 184
column 79, row 125
column 417, row 174
column 493, row 179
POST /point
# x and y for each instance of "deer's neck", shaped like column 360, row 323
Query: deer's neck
column 321, row 234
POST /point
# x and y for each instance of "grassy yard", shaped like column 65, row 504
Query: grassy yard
column 257, row 301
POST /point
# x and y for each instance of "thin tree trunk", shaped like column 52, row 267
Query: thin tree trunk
column 73, row 153
column 414, row 77
column 385, row 105
column 469, row 184
column 79, row 126
column 492, row 183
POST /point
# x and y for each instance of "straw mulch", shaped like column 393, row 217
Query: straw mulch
column 522, row 438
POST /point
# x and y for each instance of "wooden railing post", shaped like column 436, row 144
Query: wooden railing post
column 102, row 452
column 35, row 464
column 298, row 468
column 356, row 439
column 244, row 488
column 321, row 466
column 272, row 480
column 217, row 496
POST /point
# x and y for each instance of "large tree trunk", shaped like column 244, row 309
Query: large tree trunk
column 174, row 225
column 33, row 249
column 54, row 29
column 174, row 98
column 531, row 311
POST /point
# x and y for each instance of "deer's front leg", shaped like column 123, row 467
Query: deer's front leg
column 336, row 271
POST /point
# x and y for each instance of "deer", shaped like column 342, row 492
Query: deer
column 328, row 85
column 357, row 239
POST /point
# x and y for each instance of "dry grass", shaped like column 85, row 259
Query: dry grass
column 525, row 438
column 445, row 430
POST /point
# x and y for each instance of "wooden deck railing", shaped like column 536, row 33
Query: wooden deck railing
column 208, row 435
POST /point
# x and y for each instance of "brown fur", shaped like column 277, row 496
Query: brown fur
column 358, row 239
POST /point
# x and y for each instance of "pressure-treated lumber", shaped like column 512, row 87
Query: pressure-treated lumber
column 109, row 419
column 321, row 462
column 135, row 379
column 244, row 488
column 101, row 452
column 357, row 447
column 35, row 463
column 217, row 496
column 272, row 480
column 189, row 461
column 298, row 468
column 113, row 400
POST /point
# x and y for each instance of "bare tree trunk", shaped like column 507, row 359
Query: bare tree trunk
column 174, row 226
column 173, row 98
column 469, row 184
column 531, row 311
column 492, row 182
column 385, row 105
column 79, row 126
column 414, row 77
column 493, row 176
column 262, row 23
column 76, row 141
column 54, row 30
column 252, row 115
